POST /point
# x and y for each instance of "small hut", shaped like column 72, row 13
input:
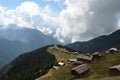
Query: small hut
column 85, row 59
column 72, row 60
column 80, row 70
column 97, row 55
column 114, row 71
column 113, row 50
column 61, row 63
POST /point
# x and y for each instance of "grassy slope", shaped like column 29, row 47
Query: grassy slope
column 99, row 69
column 61, row 56
column 62, row 73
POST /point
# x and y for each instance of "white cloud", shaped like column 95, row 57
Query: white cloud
column 72, row 20
column 86, row 19
column 79, row 20
column 118, row 24
column 29, row 15
column 29, row 8
column 45, row 30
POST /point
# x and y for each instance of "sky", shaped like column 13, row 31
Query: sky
column 66, row 20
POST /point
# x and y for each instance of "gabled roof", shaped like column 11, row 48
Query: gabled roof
column 81, row 68
column 78, row 62
column 85, row 57
column 115, row 49
column 116, row 67
column 98, row 53
column 61, row 63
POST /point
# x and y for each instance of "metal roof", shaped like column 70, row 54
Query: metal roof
column 85, row 57
column 81, row 68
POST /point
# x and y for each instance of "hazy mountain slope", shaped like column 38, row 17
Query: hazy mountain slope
column 15, row 40
column 98, row 44
column 33, row 37
column 10, row 49
column 28, row 66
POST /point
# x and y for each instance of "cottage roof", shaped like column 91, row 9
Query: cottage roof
column 85, row 57
column 72, row 60
column 116, row 67
column 115, row 49
column 55, row 67
column 98, row 53
column 61, row 63
column 78, row 62
column 81, row 68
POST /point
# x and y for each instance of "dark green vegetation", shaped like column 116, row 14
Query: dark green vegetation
column 28, row 66
column 98, row 44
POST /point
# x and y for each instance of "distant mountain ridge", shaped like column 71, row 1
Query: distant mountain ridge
column 10, row 49
column 97, row 44
column 32, row 37
column 15, row 40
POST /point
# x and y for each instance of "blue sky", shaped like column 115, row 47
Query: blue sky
column 12, row 4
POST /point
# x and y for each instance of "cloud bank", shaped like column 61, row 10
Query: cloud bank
column 29, row 15
column 86, row 19
column 79, row 20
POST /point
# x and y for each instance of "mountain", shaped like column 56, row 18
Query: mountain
column 98, row 44
column 28, row 66
column 15, row 40
column 33, row 37
column 10, row 49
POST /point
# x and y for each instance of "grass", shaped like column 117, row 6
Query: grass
column 99, row 68
column 61, row 56
column 61, row 74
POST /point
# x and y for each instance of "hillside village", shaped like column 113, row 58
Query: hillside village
column 81, row 64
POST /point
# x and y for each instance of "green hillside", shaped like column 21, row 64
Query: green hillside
column 61, row 54
column 38, row 65
column 64, row 72
column 28, row 66
column 99, row 70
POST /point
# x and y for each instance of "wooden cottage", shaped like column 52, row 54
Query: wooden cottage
column 77, row 63
column 114, row 71
column 85, row 59
column 72, row 60
column 113, row 50
column 97, row 55
column 61, row 63
column 80, row 70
